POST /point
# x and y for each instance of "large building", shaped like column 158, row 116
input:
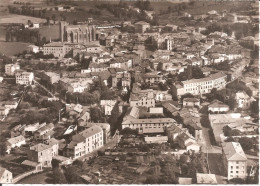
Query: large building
column 82, row 34
column 85, row 142
column 140, row 124
column 41, row 153
column 11, row 68
column 153, row 77
column 235, row 160
column 58, row 49
column 143, row 98
column 203, row 85
column 23, row 77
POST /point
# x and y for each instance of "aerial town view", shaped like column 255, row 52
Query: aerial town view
column 129, row 92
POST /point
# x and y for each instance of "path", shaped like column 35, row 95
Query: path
column 37, row 83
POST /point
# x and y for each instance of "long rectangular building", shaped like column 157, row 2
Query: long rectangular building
column 235, row 160
column 141, row 124
column 202, row 85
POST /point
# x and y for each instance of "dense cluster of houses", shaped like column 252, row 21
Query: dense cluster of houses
column 122, row 62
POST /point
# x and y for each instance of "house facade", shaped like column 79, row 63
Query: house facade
column 11, row 68
column 41, row 153
column 203, row 85
column 5, row 176
column 85, row 142
column 235, row 160
column 218, row 107
column 24, row 78
column 140, row 124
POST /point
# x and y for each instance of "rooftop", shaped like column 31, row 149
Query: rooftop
column 209, row 78
column 91, row 131
column 146, row 121
column 206, row 178
column 233, row 151
column 16, row 139
column 39, row 147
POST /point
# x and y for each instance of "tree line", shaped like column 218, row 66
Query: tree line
column 27, row 10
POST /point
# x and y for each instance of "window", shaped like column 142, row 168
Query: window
column 237, row 167
column 231, row 167
column 237, row 162
column 237, row 172
column 231, row 171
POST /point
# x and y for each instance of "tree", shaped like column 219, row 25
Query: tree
column 7, row 36
column 189, row 72
column 128, row 131
column 232, row 103
column 197, row 72
column 96, row 115
column 152, row 180
column 255, row 107
column 77, row 58
column 246, row 143
column 55, row 163
column 75, row 22
column 71, row 174
column 184, row 158
column 53, row 17
column 78, row 163
column 173, row 92
column 237, row 181
column 3, row 148
column 58, row 176
column 151, row 44
column 227, row 131
column 113, row 119
column 48, row 20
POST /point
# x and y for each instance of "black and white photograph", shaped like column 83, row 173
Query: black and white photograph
column 129, row 92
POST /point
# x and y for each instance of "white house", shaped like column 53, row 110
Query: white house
column 243, row 100
column 33, row 48
column 24, row 78
column 108, row 105
column 218, row 106
column 15, row 142
column 11, row 68
column 235, row 160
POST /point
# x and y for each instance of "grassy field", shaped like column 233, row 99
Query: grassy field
column 12, row 48
column 13, row 18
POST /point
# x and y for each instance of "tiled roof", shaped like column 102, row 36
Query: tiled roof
column 210, row 78
column 91, row 131
column 233, row 151
column 206, row 178
column 16, row 139
column 151, row 120
column 39, row 147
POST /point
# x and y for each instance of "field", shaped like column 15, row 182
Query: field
column 13, row 18
column 12, row 48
